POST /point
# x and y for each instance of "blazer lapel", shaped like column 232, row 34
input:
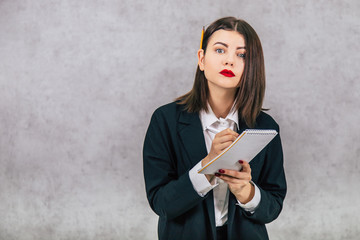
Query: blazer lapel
column 192, row 137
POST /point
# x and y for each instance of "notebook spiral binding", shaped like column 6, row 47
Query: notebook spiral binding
column 261, row 131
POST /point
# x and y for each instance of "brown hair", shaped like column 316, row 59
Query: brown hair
column 250, row 93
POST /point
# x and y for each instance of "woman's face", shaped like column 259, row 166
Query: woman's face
column 224, row 60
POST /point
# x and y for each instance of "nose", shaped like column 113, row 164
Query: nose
column 229, row 60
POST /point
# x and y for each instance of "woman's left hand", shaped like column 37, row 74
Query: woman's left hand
column 239, row 182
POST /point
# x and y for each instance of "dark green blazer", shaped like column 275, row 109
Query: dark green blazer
column 173, row 144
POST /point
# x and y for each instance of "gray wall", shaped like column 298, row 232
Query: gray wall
column 79, row 81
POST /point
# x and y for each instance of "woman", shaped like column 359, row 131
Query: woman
column 184, row 135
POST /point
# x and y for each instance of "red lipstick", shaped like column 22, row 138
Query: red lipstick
column 227, row 73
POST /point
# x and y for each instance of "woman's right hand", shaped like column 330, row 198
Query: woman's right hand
column 221, row 141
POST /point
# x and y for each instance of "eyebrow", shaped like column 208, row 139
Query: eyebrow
column 225, row 45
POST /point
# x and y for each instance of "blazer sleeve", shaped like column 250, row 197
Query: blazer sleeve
column 272, row 184
column 169, row 194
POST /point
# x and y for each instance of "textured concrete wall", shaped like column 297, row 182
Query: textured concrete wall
column 79, row 81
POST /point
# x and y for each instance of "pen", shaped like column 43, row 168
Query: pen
column 213, row 130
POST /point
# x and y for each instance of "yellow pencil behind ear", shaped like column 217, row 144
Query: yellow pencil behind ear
column 202, row 37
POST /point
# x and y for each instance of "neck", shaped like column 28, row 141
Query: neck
column 221, row 102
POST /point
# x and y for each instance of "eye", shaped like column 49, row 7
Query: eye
column 218, row 50
column 242, row 55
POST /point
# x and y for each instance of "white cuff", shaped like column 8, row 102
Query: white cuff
column 199, row 181
column 251, row 206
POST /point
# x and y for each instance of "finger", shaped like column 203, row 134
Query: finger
column 226, row 138
column 227, row 131
column 223, row 140
column 245, row 166
column 220, row 147
column 235, row 174
column 231, row 180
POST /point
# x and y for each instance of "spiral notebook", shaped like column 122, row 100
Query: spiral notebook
column 249, row 143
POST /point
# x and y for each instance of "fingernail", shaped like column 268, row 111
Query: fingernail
column 217, row 174
column 241, row 161
column 221, row 171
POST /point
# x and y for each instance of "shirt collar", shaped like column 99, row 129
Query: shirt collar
column 208, row 118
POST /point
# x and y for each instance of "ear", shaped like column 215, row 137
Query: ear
column 201, row 57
